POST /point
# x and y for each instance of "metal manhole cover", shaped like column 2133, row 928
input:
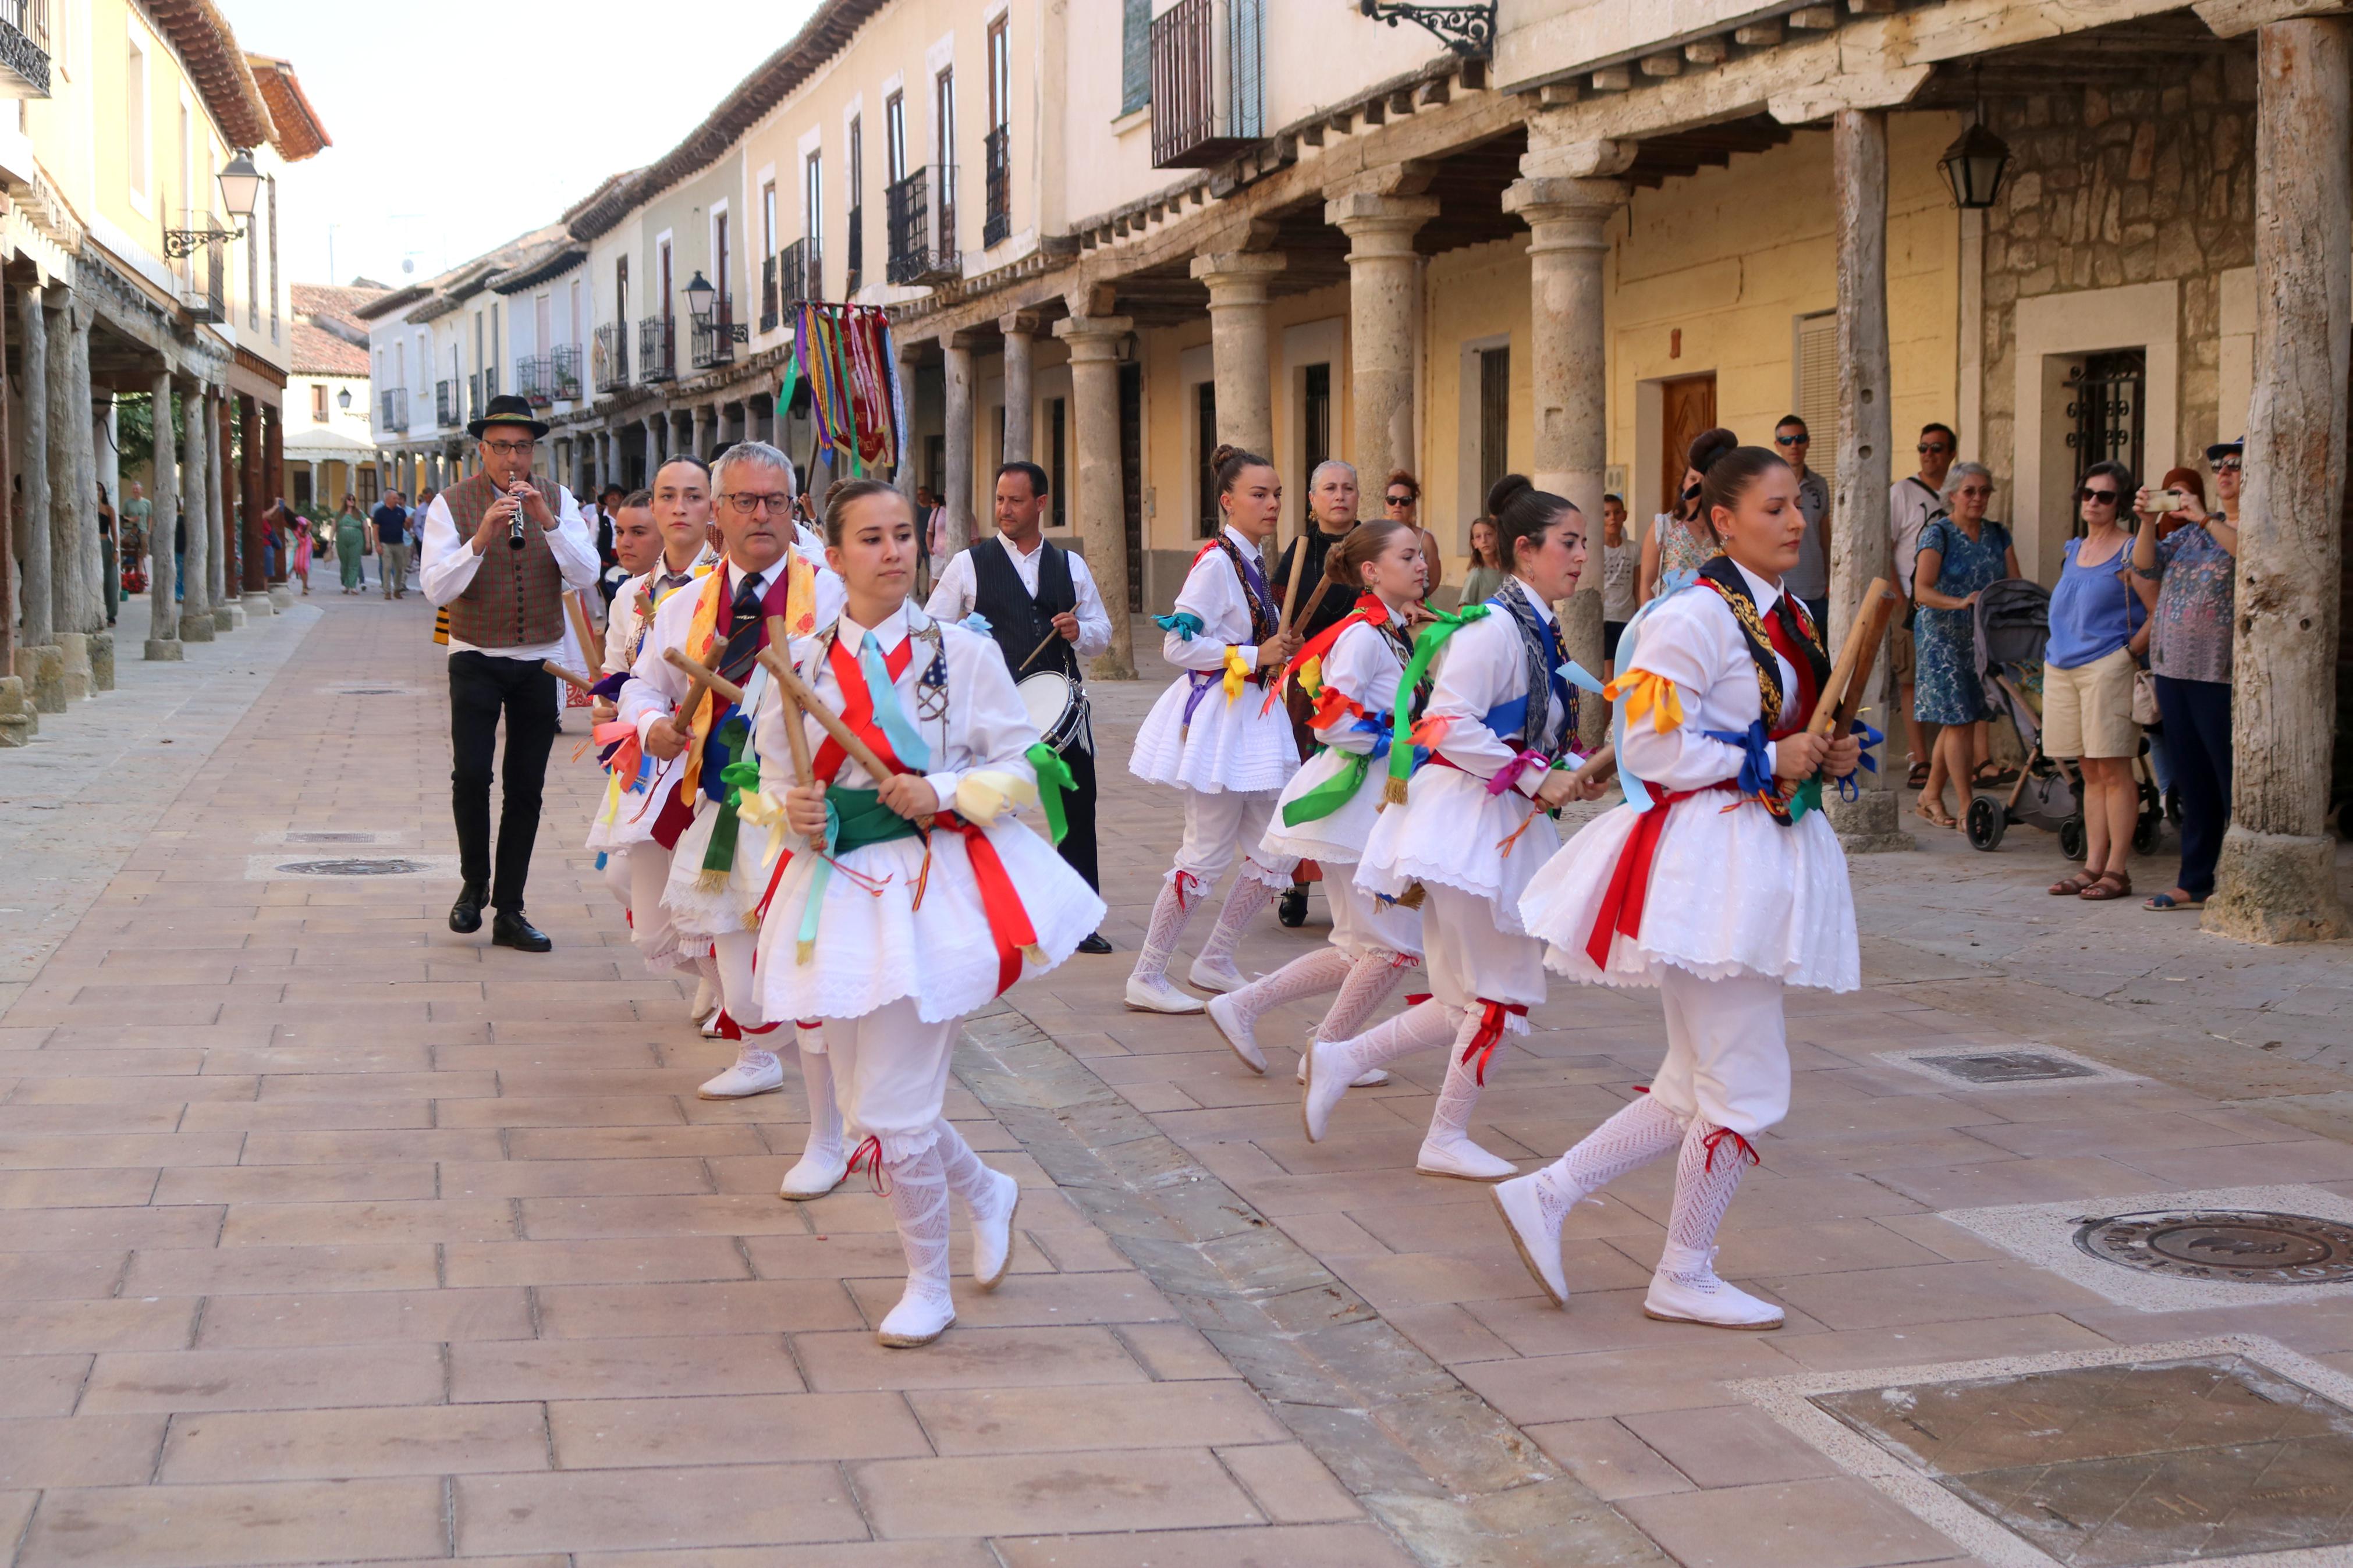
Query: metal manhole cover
column 330, row 838
column 350, row 868
column 2248, row 1247
column 2007, row 1067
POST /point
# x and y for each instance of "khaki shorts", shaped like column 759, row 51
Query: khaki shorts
column 1901, row 660
column 2087, row 710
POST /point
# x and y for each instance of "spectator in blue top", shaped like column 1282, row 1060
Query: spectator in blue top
column 391, row 521
column 2194, row 566
column 2098, row 631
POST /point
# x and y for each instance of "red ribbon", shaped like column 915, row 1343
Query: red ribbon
column 1185, row 881
column 868, row 1156
column 1629, row 880
column 1009, row 920
column 1491, row 1032
column 1369, row 612
column 858, row 708
column 729, row 1029
column 1745, row 1147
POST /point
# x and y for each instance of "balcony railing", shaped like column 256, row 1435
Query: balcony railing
column 206, row 292
column 392, row 409
column 608, row 356
column 445, row 403
column 564, row 366
column 1207, row 67
column 768, row 313
column 712, row 340
column 473, row 398
column 853, row 275
column 24, row 48
column 999, row 221
column 799, row 274
column 923, row 226
column 657, row 350
column 534, row 379
column 489, row 383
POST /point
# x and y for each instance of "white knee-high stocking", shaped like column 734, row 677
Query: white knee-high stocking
column 1171, row 914
column 991, row 1197
column 1306, row 976
column 1638, row 1134
column 1339, row 1063
column 1449, row 1150
column 823, row 1162
column 1706, row 1175
column 1369, row 982
column 1244, row 899
column 918, row 1203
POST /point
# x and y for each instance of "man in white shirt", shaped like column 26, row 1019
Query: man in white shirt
column 1915, row 499
column 500, row 558
column 1042, row 607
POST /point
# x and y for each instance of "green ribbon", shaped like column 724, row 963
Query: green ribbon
column 1054, row 777
column 1332, row 793
column 738, row 775
column 1808, row 798
column 853, row 819
column 1425, row 650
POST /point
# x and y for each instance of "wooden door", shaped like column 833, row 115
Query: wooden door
column 1686, row 408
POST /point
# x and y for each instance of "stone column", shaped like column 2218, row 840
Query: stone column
column 701, row 424
column 226, row 615
column 1861, row 548
column 1382, row 318
column 2276, row 880
column 86, row 436
column 1238, row 282
column 73, row 532
column 196, row 602
column 959, row 413
column 19, row 721
column 38, row 658
column 1095, row 344
column 905, row 474
column 1021, row 329
column 654, row 454
column 273, row 487
column 162, row 612
column 1568, row 247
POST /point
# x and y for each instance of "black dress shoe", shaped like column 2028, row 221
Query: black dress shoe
column 466, row 914
column 509, row 929
column 1095, row 943
column 1292, row 910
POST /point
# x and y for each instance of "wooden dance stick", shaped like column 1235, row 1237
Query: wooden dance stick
column 796, row 732
column 1834, row 711
column 590, row 648
column 569, row 677
column 1291, row 605
column 703, row 676
column 793, row 689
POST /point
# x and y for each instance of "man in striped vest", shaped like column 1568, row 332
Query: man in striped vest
column 499, row 555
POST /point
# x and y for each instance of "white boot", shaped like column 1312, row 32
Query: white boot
column 1334, row 1066
column 1236, row 1012
column 991, row 1196
column 1686, row 1291
column 1148, row 990
column 823, row 1162
column 1533, row 1206
column 919, row 1202
column 1448, row 1149
column 706, row 999
column 1371, row 976
column 1214, row 970
column 756, row 1071
column 1371, row 1078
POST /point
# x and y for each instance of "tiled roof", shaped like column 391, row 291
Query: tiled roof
column 209, row 44
column 329, row 300
column 313, row 352
column 298, row 131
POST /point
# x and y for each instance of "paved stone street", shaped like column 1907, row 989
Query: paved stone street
column 328, row 1236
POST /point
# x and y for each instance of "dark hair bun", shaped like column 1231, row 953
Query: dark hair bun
column 1505, row 491
column 1708, row 446
column 1226, row 453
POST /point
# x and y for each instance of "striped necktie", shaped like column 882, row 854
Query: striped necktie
column 745, row 628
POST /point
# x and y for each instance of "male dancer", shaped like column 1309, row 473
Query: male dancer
column 499, row 557
column 1029, row 592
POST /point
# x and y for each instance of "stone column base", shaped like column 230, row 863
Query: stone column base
column 164, row 650
column 74, row 648
column 2275, row 887
column 1110, row 667
column 196, row 625
column 257, row 602
column 1867, row 825
column 101, row 661
column 44, row 667
column 18, row 722
column 229, row 618
column 281, row 596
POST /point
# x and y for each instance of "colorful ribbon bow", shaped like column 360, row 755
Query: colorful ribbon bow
column 762, row 808
column 1647, row 691
column 1054, row 776
column 1237, row 674
column 1491, row 1032
column 1509, row 773
column 1184, row 623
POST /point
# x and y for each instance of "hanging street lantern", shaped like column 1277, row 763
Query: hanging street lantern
column 1974, row 166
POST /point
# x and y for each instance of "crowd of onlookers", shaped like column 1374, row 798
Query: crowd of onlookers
column 2136, row 661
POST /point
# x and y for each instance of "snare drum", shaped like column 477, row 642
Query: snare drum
column 1056, row 705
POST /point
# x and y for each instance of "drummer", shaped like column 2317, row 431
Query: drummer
column 1042, row 606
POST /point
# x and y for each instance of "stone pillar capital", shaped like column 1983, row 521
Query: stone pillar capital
column 1093, row 338
column 1238, row 276
column 964, row 339
column 1378, row 225
column 1563, row 211
column 1020, row 324
column 1553, row 155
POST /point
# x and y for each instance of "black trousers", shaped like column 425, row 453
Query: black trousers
column 484, row 688
column 1078, row 846
column 2197, row 746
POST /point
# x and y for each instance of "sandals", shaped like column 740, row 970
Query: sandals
column 1990, row 776
column 2165, row 901
column 1934, row 814
column 1918, row 778
column 2072, row 887
column 2106, row 886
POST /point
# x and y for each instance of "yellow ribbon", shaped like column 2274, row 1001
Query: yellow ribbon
column 765, row 809
column 1647, row 691
column 1237, row 674
column 988, row 793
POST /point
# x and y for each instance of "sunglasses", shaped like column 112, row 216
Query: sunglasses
column 1794, row 440
column 2105, row 497
column 1933, row 447
column 2228, row 465
column 1401, row 501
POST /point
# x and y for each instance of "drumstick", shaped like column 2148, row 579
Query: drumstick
column 1298, row 573
column 569, row 677
column 1835, row 708
column 1034, row 652
column 590, row 648
column 796, row 732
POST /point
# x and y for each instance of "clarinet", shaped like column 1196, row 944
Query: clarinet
column 515, row 524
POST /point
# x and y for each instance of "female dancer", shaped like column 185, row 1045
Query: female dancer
column 1215, row 737
column 1717, row 882
column 921, row 901
column 1327, row 808
column 1474, row 826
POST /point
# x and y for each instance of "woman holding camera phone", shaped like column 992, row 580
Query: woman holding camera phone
column 2193, row 567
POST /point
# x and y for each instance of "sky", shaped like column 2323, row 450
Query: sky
column 425, row 101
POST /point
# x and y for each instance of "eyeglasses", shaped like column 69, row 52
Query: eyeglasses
column 1927, row 447
column 1979, row 490
column 510, row 449
column 2228, row 465
column 1801, row 440
column 749, row 505
column 2104, row 498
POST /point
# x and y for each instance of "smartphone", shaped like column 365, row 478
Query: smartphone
column 2167, row 500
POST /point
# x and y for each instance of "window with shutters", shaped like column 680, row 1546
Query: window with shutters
column 1135, row 54
column 1816, row 374
column 1494, row 417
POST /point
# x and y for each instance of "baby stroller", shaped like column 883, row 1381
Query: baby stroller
column 2013, row 628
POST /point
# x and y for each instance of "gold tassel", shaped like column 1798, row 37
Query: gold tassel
column 708, row 881
column 1393, row 791
column 803, row 951
column 1411, row 898
column 1034, row 953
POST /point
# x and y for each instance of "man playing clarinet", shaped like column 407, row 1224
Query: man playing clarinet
column 1042, row 608
column 499, row 555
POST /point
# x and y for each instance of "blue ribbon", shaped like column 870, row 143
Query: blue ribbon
column 973, row 621
column 610, row 686
column 1184, row 623
column 1756, row 761
column 904, row 739
column 1847, row 787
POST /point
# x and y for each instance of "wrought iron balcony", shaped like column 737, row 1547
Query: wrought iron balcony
column 657, row 350
column 768, row 313
column 800, row 275
column 473, row 398
column 206, row 290
column 564, row 367
column 608, row 356
column 392, row 409
column 24, row 48
column 445, row 403
column 711, row 338
column 923, row 226
column 999, row 221
column 489, row 383
column 534, row 379
column 1207, row 64
column 853, row 275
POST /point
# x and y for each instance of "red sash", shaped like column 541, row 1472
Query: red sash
column 858, row 707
